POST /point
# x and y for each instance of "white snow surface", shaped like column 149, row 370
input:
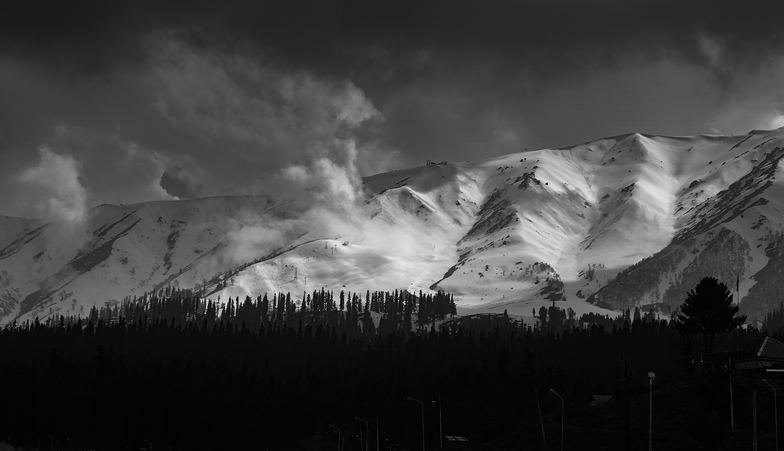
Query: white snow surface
column 511, row 233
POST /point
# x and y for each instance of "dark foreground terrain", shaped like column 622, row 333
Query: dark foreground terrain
column 172, row 372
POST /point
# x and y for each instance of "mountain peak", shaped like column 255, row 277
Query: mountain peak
column 621, row 221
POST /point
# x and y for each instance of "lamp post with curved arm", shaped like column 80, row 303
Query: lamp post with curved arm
column 552, row 390
column 367, row 432
column 422, row 409
column 340, row 435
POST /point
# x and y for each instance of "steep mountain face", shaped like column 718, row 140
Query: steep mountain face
column 633, row 220
column 733, row 234
column 120, row 251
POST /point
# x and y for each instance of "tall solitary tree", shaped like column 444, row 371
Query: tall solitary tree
column 708, row 310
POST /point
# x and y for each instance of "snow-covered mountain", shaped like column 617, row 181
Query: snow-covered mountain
column 606, row 225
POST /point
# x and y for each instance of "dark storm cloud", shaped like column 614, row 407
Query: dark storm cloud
column 95, row 33
column 151, row 99
column 177, row 186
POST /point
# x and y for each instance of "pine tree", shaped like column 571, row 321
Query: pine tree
column 708, row 310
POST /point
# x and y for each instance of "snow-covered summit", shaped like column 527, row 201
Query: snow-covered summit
column 609, row 224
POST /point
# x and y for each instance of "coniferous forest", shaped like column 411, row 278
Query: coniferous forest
column 349, row 370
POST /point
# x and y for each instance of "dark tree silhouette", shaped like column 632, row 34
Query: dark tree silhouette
column 708, row 310
column 156, row 369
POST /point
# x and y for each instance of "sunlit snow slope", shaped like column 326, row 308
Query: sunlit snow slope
column 633, row 220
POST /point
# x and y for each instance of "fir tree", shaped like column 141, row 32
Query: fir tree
column 708, row 310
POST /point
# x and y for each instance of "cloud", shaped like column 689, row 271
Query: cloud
column 189, row 121
column 137, row 174
column 54, row 189
column 178, row 186
column 249, row 99
column 211, row 101
column 331, row 179
column 86, row 36
column 777, row 121
column 261, row 128
column 754, row 101
column 249, row 116
column 324, row 199
column 711, row 48
column 251, row 236
column 157, row 101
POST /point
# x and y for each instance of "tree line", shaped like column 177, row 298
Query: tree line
column 172, row 370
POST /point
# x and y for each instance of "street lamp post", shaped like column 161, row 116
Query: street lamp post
column 775, row 413
column 651, row 377
column 422, row 410
column 539, row 411
column 754, row 418
column 440, row 424
column 625, row 379
column 562, row 416
column 728, row 366
column 337, row 430
column 367, row 432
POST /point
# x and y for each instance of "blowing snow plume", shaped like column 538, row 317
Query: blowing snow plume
column 54, row 190
column 331, row 230
column 326, row 192
column 295, row 136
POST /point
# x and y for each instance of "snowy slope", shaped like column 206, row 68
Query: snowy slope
column 729, row 220
column 606, row 225
column 122, row 251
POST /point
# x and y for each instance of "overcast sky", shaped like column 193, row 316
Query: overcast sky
column 119, row 102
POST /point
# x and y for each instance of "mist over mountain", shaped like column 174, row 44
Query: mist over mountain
column 615, row 223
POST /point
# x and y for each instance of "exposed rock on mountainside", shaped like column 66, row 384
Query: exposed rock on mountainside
column 609, row 224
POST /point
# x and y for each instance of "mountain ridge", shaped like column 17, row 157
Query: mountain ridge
column 609, row 224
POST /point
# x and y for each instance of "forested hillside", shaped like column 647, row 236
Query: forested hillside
column 174, row 371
